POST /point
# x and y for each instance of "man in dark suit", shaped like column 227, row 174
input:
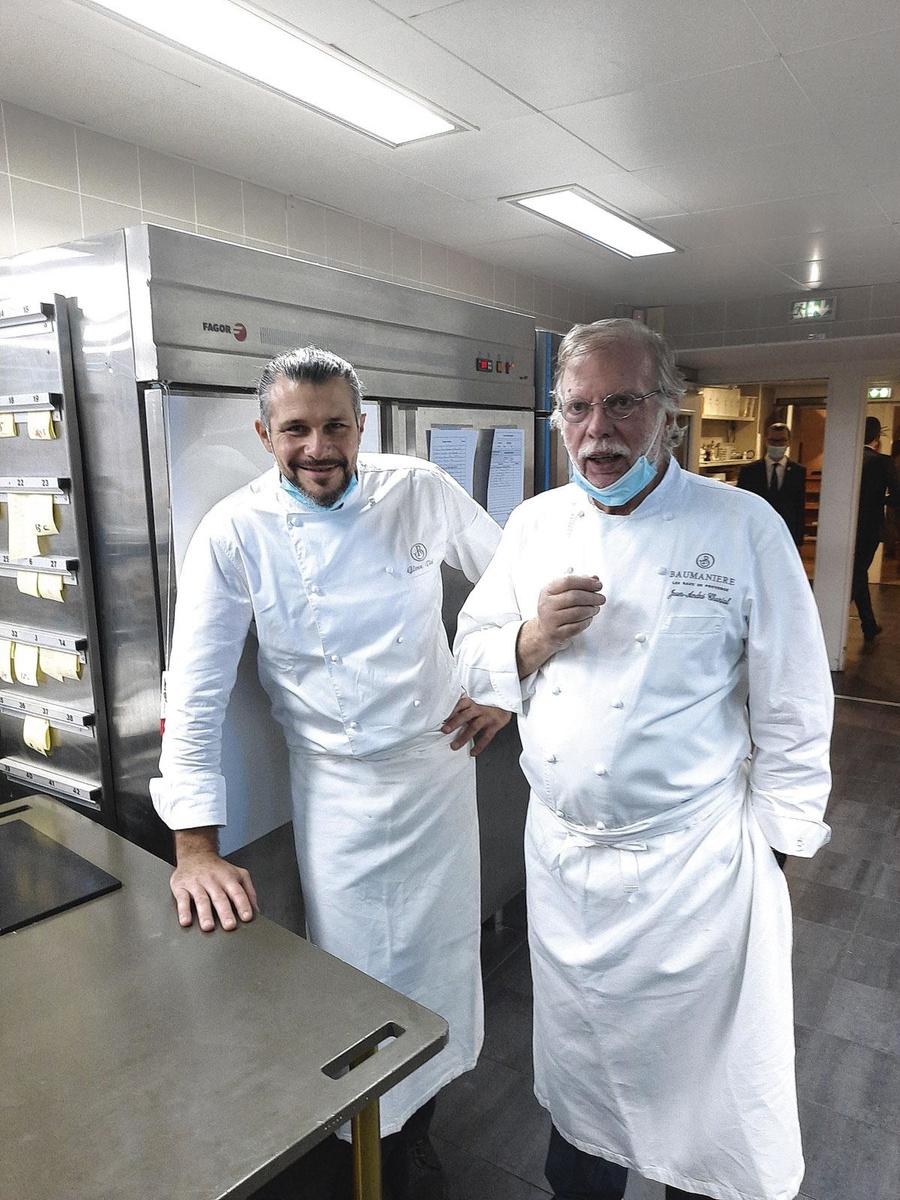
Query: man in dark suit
column 878, row 486
column 778, row 479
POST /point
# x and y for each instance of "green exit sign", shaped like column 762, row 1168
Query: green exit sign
column 880, row 393
column 820, row 309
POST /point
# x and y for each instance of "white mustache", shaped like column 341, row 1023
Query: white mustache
column 606, row 446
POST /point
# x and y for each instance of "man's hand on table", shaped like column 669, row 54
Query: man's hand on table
column 480, row 722
column 213, row 885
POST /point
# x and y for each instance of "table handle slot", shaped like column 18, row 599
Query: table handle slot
column 354, row 1057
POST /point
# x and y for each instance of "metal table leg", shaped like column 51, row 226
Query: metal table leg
column 366, row 1130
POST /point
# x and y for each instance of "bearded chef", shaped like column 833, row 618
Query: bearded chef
column 335, row 557
column 657, row 637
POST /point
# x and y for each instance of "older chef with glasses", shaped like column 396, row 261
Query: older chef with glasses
column 335, row 557
column 656, row 635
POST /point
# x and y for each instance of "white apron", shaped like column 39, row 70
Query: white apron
column 389, row 858
column 663, row 1035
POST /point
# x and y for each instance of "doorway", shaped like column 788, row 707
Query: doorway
column 729, row 426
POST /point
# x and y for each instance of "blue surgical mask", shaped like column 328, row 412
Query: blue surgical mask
column 310, row 505
column 776, row 453
column 639, row 475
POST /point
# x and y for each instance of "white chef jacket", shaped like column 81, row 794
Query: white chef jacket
column 347, row 610
column 708, row 649
column 354, row 656
column 667, row 746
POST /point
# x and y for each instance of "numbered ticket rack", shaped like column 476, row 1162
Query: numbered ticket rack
column 53, row 730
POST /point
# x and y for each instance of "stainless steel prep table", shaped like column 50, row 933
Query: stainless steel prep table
column 140, row 1060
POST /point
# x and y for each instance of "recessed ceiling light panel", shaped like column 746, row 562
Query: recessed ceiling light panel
column 259, row 47
column 577, row 210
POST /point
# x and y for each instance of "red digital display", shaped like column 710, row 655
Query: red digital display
column 484, row 364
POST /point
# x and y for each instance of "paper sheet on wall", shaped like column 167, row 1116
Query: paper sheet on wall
column 60, row 664
column 50, row 587
column 25, row 663
column 8, row 425
column 27, row 582
column 41, row 426
column 454, row 450
column 30, row 517
column 506, row 479
column 6, row 648
column 37, row 735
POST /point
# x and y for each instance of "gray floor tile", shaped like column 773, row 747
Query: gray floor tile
column 847, row 838
column 471, row 1178
column 817, row 947
column 872, row 961
column 847, row 1159
column 812, row 990
column 887, row 883
column 492, row 1113
column 854, row 1080
column 880, row 918
column 643, row 1189
column 836, row 870
column 867, row 1015
column 507, row 1029
column 870, row 813
column 826, row 905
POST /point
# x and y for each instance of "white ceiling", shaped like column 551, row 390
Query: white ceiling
column 756, row 134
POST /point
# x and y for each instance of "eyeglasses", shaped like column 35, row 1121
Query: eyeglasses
column 618, row 406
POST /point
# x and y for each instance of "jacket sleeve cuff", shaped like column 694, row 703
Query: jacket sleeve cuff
column 511, row 691
column 191, row 805
column 799, row 836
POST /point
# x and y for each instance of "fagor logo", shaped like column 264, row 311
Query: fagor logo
column 238, row 331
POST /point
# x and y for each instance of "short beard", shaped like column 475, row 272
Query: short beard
column 329, row 498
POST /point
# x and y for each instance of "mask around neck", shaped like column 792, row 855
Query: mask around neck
column 310, row 505
column 639, row 475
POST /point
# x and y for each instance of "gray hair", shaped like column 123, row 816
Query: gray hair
column 583, row 340
column 307, row 364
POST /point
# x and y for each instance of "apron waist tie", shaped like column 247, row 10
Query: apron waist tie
column 705, row 807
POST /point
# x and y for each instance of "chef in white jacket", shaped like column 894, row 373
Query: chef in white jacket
column 656, row 635
column 336, row 558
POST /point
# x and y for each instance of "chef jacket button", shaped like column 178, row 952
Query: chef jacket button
column 662, row 570
column 601, row 770
column 668, row 516
column 399, row 639
column 640, row 637
column 551, row 758
column 335, row 658
column 389, row 570
column 352, row 726
column 618, row 703
column 417, row 703
column 556, row 691
column 570, row 570
column 315, row 590
column 599, row 826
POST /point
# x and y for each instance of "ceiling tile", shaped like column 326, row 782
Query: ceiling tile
column 782, row 218
column 567, row 53
column 747, row 106
column 806, row 23
column 723, row 177
column 523, row 155
column 853, row 85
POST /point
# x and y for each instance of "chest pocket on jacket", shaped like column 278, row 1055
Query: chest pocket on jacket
column 690, row 625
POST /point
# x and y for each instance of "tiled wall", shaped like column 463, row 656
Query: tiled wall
column 59, row 182
column 871, row 309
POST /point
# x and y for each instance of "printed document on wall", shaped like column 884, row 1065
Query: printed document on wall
column 506, row 480
column 453, row 448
